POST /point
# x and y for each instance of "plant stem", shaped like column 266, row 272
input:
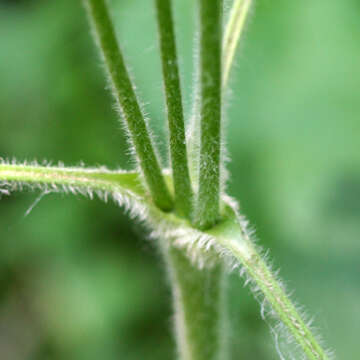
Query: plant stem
column 199, row 308
column 276, row 296
column 125, row 95
column 207, row 204
column 233, row 238
column 71, row 179
column 197, row 293
column 234, row 28
column 178, row 153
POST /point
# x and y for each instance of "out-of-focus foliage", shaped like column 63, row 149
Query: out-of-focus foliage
column 77, row 279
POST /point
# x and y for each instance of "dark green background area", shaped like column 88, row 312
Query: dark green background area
column 77, row 278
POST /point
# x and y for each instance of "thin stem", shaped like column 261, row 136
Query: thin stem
column 207, row 205
column 232, row 237
column 125, row 95
column 276, row 296
column 233, row 31
column 71, row 179
column 178, row 153
column 198, row 306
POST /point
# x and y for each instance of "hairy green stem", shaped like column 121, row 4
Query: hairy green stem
column 198, row 306
column 197, row 292
column 233, row 238
column 72, row 179
column 178, row 153
column 281, row 304
column 208, row 199
column 233, row 31
column 231, row 38
column 127, row 100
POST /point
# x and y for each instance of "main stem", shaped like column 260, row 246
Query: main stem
column 198, row 301
column 198, row 293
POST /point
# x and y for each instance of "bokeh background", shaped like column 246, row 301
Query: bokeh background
column 77, row 279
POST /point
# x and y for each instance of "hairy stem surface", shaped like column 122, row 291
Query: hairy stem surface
column 198, row 306
column 208, row 199
column 178, row 153
column 233, row 238
column 197, row 292
column 71, row 178
column 126, row 98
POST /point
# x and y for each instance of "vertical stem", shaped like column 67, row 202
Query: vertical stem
column 233, row 31
column 125, row 95
column 198, row 294
column 178, row 153
column 207, row 205
column 199, row 308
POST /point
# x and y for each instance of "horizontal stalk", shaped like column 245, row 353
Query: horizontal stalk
column 76, row 179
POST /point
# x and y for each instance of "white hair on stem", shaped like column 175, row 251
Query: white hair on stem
column 230, row 241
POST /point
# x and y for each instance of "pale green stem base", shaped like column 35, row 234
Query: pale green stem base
column 198, row 300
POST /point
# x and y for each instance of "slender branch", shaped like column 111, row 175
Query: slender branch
column 231, row 237
column 75, row 180
column 233, row 31
column 238, row 15
column 281, row 304
column 229, row 240
column 207, row 204
column 178, row 153
column 125, row 95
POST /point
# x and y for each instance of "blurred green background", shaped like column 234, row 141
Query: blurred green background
column 77, row 279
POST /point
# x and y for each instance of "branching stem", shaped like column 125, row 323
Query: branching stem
column 208, row 199
column 232, row 238
column 197, row 292
column 178, row 153
column 125, row 95
column 233, row 31
column 72, row 178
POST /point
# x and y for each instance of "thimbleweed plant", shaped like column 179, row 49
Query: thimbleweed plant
column 197, row 227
